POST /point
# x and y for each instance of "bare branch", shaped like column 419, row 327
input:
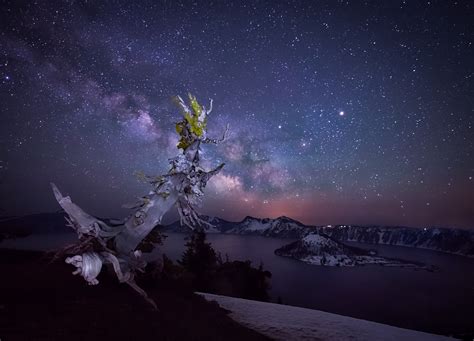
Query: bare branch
column 224, row 137
column 210, row 107
column 182, row 105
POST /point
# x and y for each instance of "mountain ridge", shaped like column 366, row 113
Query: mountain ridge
column 450, row 240
column 443, row 239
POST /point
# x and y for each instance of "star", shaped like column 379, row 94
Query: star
column 351, row 106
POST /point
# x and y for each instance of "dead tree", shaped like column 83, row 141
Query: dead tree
column 182, row 187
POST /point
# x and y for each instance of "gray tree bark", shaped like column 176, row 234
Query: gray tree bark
column 182, row 187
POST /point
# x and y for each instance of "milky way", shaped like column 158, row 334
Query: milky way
column 340, row 111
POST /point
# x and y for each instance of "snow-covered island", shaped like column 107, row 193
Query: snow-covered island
column 318, row 249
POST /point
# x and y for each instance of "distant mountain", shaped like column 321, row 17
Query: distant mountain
column 41, row 223
column 282, row 227
column 218, row 225
column 440, row 239
column 448, row 240
column 319, row 249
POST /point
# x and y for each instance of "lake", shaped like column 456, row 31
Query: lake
column 439, row 302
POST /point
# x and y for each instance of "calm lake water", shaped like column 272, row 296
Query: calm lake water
column 440, row 302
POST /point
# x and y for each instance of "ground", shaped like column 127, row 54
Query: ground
column 44, row 301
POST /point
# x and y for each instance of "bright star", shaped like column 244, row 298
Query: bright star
column 341, row 113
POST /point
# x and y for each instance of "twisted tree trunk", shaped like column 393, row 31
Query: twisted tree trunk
column 118, row 244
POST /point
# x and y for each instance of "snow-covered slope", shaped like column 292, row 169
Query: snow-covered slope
column 319, row 249
column 283, row 322
column 281, row 227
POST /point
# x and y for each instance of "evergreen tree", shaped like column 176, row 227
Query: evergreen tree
column 199, row 259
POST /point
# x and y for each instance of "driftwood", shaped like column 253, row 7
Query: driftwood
column 182, row 187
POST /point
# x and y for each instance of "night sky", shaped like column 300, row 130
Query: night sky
column 345, row 112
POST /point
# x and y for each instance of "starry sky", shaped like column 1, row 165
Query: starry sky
column 341, row 112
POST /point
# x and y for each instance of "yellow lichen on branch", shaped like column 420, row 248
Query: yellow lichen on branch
column 194, row 124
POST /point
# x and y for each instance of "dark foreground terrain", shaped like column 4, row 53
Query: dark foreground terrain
column 42, row 301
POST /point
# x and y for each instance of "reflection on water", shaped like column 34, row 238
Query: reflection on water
column 439, row 301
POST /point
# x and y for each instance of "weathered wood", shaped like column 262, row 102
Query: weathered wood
column 182, row 187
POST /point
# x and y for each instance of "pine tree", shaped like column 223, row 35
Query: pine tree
column 200, row 260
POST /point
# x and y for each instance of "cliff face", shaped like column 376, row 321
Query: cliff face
column 440, row 239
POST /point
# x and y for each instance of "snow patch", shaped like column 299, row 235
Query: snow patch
column 283, row 322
